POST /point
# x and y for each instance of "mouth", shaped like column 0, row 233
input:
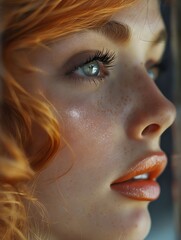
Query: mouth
column 139, row 182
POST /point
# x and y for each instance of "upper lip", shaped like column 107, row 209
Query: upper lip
column 153, row 164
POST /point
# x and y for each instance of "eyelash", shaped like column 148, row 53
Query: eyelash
column 104, row 57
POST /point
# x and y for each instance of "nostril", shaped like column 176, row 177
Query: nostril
column 152, row 128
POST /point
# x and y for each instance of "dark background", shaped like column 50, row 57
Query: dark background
column 162, row 210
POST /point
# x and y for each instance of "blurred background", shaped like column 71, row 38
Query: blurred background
column 166, row 212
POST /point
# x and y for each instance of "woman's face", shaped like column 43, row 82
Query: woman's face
column 102, row 84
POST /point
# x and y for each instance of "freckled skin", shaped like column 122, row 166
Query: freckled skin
column 104, row 126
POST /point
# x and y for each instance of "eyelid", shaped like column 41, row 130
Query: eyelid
column 77, row 60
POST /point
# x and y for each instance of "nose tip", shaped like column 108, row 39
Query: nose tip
column 151, row 118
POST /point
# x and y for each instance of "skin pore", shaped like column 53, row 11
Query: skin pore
column 109, row 119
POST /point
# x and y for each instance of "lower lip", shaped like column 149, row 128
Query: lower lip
column 143, row 190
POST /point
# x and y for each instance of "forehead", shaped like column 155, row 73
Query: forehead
column 143, row 18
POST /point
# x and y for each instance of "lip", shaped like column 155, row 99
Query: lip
column 144, row 189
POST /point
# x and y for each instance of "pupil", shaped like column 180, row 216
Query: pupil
column 91, row 69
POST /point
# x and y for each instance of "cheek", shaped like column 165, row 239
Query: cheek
column 93, row 126
column 91, row 135
column 93, row 138
column 91, row 121
column 96, row 118
column 89, row 127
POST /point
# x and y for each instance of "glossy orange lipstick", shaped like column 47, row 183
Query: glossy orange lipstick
column 139, row 182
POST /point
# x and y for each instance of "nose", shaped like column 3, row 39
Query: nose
column 151, row 114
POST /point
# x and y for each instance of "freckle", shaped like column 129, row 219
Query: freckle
column 110, row 111
column 136, row 226
column 125, row 100
column 126, row 65
column 125, row 150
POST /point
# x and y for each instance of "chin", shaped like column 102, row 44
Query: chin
column 134, row 226
column 139, row 226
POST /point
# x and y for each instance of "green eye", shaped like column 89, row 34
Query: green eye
column 91, row 69
column 153, row 72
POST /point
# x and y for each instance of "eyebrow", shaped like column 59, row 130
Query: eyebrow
column 115, row 31
column 119, row 32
